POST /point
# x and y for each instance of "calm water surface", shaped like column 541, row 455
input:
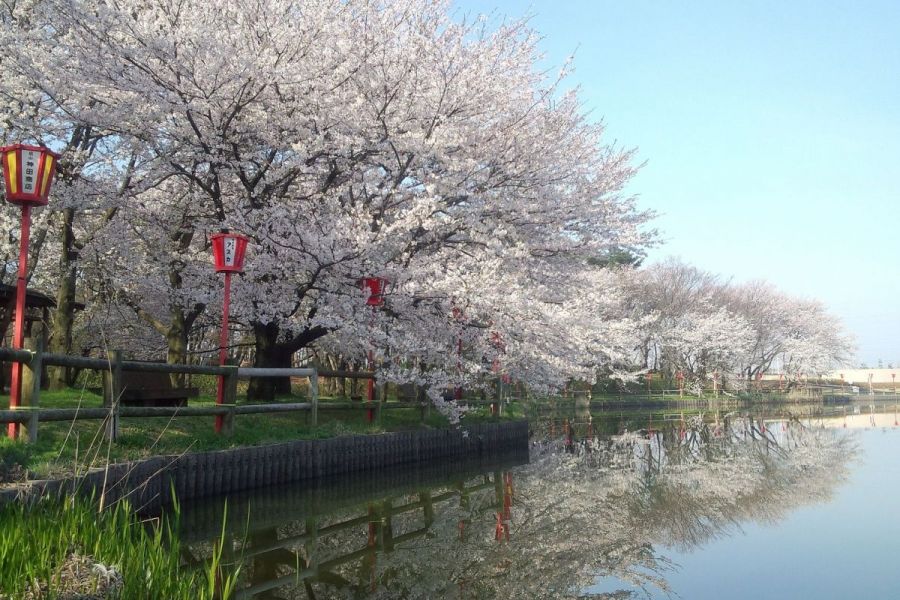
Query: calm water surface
column 723, row 506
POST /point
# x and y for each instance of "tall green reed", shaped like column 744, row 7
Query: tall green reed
column 37, row 538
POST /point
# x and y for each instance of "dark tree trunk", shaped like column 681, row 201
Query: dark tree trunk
column 274, row 353
column 64, row 315
column 176, row 346
column 269, row 354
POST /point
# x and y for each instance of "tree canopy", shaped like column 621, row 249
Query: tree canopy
column 350, row 139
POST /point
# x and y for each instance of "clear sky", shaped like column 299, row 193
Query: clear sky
column 771, row 132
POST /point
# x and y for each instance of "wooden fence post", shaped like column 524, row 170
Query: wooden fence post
column 314, row 397
column 230, row 399
column 387, row 526
column 112, row 392
column 312, row 538
column 31, row 386
column 427, row 507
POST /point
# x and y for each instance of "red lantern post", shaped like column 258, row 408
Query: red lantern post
column 497, row 367
column 28, row 175
column 502, row 527
column 228, row 255
column 680, row 377
column 375, row 286
column 458, row 316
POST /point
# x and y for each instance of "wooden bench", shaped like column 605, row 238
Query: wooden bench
column 141, row 388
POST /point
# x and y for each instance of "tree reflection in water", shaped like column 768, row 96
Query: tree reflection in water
column 680, row 486
column 582, row 509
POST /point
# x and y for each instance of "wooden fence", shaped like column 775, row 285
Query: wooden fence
column 30, row 414
column 491, row 493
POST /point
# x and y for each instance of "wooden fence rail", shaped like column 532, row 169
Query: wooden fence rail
column 378, row 521
column 23, row 414
column 29, row 414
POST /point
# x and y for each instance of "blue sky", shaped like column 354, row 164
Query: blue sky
column 771, row 132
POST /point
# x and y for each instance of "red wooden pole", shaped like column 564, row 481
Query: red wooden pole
column 370, row 366
column 223, row 348
column 370, row 388
column 15, row 390
column 458, row 393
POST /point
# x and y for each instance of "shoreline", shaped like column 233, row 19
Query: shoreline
column 150, row 483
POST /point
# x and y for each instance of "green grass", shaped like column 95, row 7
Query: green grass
column 64, row 448
column 39, row 543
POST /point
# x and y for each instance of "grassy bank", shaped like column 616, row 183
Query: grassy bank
column 68, row 549
column 64, row 448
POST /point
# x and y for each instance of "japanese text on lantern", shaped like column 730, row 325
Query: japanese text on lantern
column 29, row 170
column 230, row 251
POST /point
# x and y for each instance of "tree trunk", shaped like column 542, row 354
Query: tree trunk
column 269, row 354
column 583, row 403
column 64, row 315
column 177, row 344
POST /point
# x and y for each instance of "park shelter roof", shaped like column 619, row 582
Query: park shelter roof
column 33, row 298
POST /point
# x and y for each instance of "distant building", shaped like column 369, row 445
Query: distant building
column 861, row 376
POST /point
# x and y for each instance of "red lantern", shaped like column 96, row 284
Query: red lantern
column 228, row 251
column 458, row 316
column 228, row 255
column 375, row 287
column 28, row 174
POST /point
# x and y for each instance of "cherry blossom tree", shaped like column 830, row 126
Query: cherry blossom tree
column 694, row 323
column 686, row 328
column 796, row 334
column 353, row 139
column 96, row 168
column 348, row 139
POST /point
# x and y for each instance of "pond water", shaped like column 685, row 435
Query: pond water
column 626, row 506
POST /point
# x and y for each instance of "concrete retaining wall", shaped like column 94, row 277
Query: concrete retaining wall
column 201, row 519
column 149, row 483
